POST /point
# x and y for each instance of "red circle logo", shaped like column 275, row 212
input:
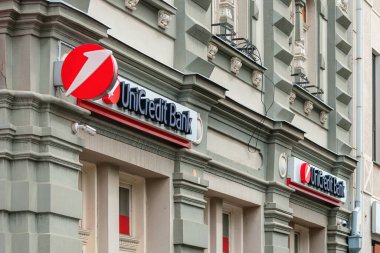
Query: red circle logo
column 89, row 72
column 305, row 173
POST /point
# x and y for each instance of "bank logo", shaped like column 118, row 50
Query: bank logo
column 305, row 173
column 90, row 72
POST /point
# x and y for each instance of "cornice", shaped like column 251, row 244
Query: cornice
column 222, row 170
column 339, row 164
column 309, row 204
column 193, row 157
column 135, row 139
column 52, row 19
column 198, row 90
column 14, row 99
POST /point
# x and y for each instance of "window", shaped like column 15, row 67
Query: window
column 226, row 233
column 374, row 148
column 375, row 247
column 296, row 242
column 125, row 210
column 375, row 112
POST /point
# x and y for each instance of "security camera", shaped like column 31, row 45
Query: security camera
column 342, row 223
column 86, row 128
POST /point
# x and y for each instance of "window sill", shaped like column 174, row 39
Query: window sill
column 128, row 243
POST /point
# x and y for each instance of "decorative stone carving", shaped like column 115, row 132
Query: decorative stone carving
column 323, row 117
column 292, row 97
column 163, row 19
column 283, row 165
column 127, row 243
column 212, row 49
column 257, row 78
column 299, row 55
column 84, row 235
column 131, row 4
column 235, row 65
column 308, row 107
column 343, row 4
column 226, row 9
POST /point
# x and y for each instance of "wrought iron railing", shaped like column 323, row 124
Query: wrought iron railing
column 227, row 34
column 302, row 81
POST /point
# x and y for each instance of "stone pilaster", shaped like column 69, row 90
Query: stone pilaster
column 337, row 231
column 40, row 204
column 277, row 215
column 108, row 208
column 190, row 232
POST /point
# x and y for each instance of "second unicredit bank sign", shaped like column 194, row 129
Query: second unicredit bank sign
column 316, row 182
column 89, row 73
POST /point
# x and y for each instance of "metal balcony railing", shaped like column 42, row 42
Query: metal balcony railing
column 303, row 81
column 227, row 34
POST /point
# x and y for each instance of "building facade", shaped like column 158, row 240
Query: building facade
column 269, row 166
column 370, row 189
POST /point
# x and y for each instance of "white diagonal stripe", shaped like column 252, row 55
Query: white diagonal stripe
column 94, row 60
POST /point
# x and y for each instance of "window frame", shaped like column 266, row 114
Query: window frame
column 130, row 189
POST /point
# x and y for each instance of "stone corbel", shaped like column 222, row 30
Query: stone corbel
column 235, row 65
column 323, row 117
column 212, row 49
column 131, row 4
column 342, row 4
column 84, row 235
column 292, row 97
column 308, row 107
column 163, row 19
column 257, row 78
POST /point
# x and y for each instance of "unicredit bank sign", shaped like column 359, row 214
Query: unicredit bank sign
column 316, row 182
column 89, row 73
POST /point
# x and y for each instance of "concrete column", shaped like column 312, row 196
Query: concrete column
column 277, row 215
column 253, row 230
column 40, row 204
column 108, row 208
column 190, row 234
column 318, row 240
column 159, row 219
column 337, row 234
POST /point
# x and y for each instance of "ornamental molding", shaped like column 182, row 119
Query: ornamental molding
column 299, row 55
column 235, row 65
column 127, row 243
column 308, row 107
column 212, row 49
column 163, row 19
column 131, row 4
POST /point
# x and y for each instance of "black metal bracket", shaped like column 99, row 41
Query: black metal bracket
column 312, row 89
column 227, row 34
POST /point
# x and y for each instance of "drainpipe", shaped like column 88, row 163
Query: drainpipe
column 355, row 239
